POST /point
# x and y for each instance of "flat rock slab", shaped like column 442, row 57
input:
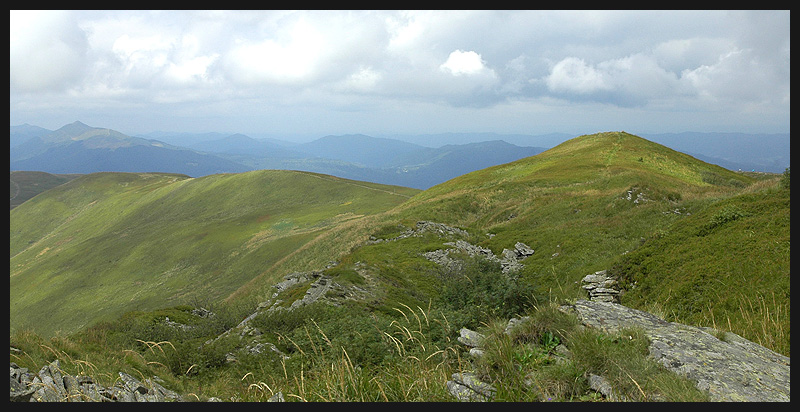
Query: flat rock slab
column 733, row 369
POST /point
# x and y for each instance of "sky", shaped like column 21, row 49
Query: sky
column 309, row 73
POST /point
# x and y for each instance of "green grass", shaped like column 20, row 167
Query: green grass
column 25, row 185
column 525, row 366
column 725, row 266
column 144, row 240
column 702, row 246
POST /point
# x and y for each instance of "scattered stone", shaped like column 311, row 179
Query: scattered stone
column 176, row 325
column 21, row 388
column 52, row 385
column 203, row 313
column 470, row 338
column 600, row 384
column 636, row 195
column 509, row 263
column 466, row 387
column 421, row 228
column 601, row 287
column 513, row 323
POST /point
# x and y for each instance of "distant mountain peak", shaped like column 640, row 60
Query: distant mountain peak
column 75, row 128
column 239, row 137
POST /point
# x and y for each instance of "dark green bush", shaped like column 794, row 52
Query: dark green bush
column 727, row 214
column 479, row 290
column 324, row 330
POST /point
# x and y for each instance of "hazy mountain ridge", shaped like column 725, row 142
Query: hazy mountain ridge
column 78, row 148
column 417, row 161
column 765, row 152
column 358, row 148
column 239, row 144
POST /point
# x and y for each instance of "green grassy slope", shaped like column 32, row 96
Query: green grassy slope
column 688, row 241
column 725, row 266
column 584, row 206
column 588, row 205
column 27, row 184
column 572, row 204
column 108, row 243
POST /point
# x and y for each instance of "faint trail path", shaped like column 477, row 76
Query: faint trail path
column 17, row 188
column 340, row 180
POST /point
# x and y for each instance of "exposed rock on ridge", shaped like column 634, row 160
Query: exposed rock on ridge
column 509, row 262
column 732, row 369
column 52, row 385
column 601, row 287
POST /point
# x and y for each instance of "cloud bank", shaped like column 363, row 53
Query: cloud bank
column 219, row 64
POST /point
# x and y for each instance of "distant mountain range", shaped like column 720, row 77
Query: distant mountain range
column 78, row 148
column 418, row 161
column 735, row 151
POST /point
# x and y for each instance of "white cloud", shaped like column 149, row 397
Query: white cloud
column 404, row 31
column 678, row 54
column 573, row 75
column 290, row 57
column 464, row 62
column 192, row 69
column 737, row 76
column 364, row 80
column 668, row 60
column 142, row 57
column 47, row 50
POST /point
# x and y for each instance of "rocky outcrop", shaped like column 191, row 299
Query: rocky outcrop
column 729, row 369
column 509, row 259
column 466, row 387
column 51, row 384
column 422, row 227
column 318, row 286
column 601, row 287
column 509, row 262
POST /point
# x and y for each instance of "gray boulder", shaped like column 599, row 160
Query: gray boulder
column 733, row 369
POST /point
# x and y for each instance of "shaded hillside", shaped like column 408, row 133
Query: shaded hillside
column 143, row 241
column 25, row 185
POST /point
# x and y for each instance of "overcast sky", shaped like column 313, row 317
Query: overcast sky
column 314, row 73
